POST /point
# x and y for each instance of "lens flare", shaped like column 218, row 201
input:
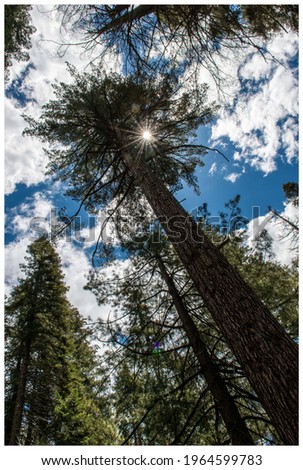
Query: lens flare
column 146, row 135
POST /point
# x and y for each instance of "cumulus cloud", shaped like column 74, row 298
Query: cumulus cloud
column 30, row 217
column 75, row 266
column 25, row 160
column 232, row 177
column 26, row 222
column 283, row 248
column 262, row 121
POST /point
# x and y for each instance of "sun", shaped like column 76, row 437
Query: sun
column 146, row 135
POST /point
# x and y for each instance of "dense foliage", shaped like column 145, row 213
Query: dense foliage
column 150, row 350
column 99, row 117
column 18, row 31
column 52, row 385
column 201, row 348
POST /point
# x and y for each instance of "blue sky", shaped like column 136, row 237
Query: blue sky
column 264, row 190
column 256, row 128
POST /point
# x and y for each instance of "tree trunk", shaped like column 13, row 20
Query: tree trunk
column 30, row 429
column 236, row 427
column 9, row 412
column 131, row 15
column 266, row 353
column 288, row 222
column 20, row 397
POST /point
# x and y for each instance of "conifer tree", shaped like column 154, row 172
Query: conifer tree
column 146, row 313
column 156, row 255
column 145, row 35
column 50, row 366
column 18, row 31
column 115, row 138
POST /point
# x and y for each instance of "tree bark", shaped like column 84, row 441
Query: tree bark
column 267, row 354
column 289, row 222
column 235, row 424
column 20, row 397
column 30, row 429
column 131, row 15
column 9, row 413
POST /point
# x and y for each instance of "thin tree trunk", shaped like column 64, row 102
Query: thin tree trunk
column 289, row 222
column 236, row 427
column 20, row 397
column 267, row 354
column 9, row 413
column 30, row 429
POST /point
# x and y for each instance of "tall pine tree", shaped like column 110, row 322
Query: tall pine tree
column 52, row 394
column 147, row 310
column 123, row 137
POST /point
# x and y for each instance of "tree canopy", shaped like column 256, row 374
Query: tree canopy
column 52, row 393
column 100, row 150
column 18, row 31
column 98, row 117
column 205, row 332
column 145, row 35
column 146, row 315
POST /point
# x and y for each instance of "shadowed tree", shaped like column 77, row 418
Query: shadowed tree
column 112, row 139
column 145, row 35
column 291, row 191
column 145, row 309
column 289, row 225
column 140, row 289
column 18, row 30
column 51, row 391
column 150, row 252
column 123, row 292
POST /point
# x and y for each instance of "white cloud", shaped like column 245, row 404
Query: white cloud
column 75, row 263
column 262, row 123
column 75, row 266
column 14, row 255
column 232, row 177
column 213, row 169
column 282, row 49
column 25, row 160
column 28, row 217
column 282, row 245
column 102, row 225
column 289, row 140
column 255, row 68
